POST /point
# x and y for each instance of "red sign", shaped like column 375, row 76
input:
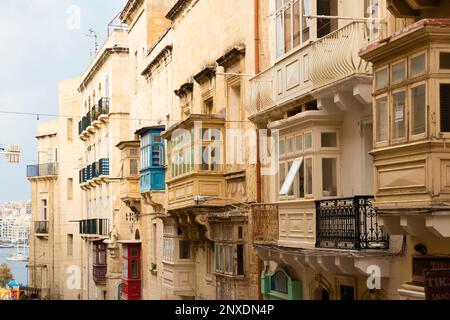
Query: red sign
column 421, row 264
column 437, row 284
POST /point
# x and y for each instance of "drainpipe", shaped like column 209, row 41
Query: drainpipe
column 258, row 163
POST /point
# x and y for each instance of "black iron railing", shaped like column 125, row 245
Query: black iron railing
column 42, row 170
column 94, row 227
column 95, row 170
column 349, row 223
column 101, row 108
column 41, row 227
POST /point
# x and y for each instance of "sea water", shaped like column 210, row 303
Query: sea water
column 18, row 268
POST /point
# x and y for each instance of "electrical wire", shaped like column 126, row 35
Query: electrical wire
column 38, row 115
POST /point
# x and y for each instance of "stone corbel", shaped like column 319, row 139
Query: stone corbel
column 202, row 220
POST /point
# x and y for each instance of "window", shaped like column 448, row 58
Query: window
column 99, row 254
column 444, row 60
column 69, row 129
column 208, row 106
column 308, row 140
column 294, row 168
column 290, row 145
column 229, row 249
column 418, row 65
column 70, row 245
column 185, row 249
column 133, row 167
column 282, row 146
column 329, row 177
column 398, row 72
column 381, row 114
column 326, row 8
column 282, row 173
column 299, row 143
column 44, row 210
column 70, row 189
column 418, row 110
column 279, row 282
column 445, row 107
column 308, row 176
column 168, row 250
column 155, row 243
column 329, row 139
column 381, row 79
column 398, row 115
column 292, row 26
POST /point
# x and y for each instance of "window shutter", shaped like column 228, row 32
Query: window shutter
column 445, row 107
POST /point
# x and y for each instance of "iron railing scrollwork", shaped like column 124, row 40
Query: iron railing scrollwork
column 349, row 223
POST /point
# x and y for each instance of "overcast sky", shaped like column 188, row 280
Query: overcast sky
column 41, row 43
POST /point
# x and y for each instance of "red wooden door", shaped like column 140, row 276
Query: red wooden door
column 131, row 272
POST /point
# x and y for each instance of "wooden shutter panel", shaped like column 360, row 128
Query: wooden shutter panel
column 445, row 107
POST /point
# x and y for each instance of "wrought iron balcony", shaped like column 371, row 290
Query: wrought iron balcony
column 349, row 223
column 94, row 227
column 95, row 170
column 41, row 227
column 42, row 170
column 265, row 223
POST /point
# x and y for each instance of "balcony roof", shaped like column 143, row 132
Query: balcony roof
column 409, row 35
column 177, row 9
column 144, row 130
column 189, row 122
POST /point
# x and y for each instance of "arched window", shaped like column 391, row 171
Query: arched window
column 279, row 282
column 280, row 286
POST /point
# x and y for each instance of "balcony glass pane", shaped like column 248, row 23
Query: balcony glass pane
column 418, row 65
column 306, row 23
column 308, row 176
column 185, row 249
column 444, row 60
column 287, row 30
column 296, row 23
column 280, row 35
column 418, row 109
column 329, row 139
column 381, row 79
column 329, row 177
column 308, row 140
column 381, row 111
column 398, row 72
column 398, row 115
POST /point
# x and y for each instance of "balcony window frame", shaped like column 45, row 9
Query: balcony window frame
column 337, row 165
column 376, row 72
column 303, row 33
column 387, row 119
column 184, row 146
column 439, row 52
column 209, row 144
column 403, row 139
column 422, row 135
column 336, row 132
column 410, row 67
column 445, row 134
column 226, row 244
column 402, row 61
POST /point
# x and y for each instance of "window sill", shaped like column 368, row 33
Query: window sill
column 229, row 276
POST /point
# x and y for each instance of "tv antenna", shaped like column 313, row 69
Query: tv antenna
column 93, row 35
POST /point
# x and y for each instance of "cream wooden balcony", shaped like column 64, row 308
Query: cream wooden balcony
column 310, row 70
column 336, row 56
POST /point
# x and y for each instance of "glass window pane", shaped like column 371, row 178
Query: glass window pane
column 308, row 176
column 287, row 29
column 185, row 249
column 329, row 178
column 134, row 269
column 381, row 79
column 329, row 139
column 280, row 35
column 418, row 65
column 381, row 119
column 290, row 145
column 398, row 72
column 418, row 109
column 306, row 23
column 296, row 9
column 299, row 143
column 282, row 173
column 308, row 140
column 444, row 100
column 282, row 147
column 301, row 181
column 444, row 60
column 398, row 115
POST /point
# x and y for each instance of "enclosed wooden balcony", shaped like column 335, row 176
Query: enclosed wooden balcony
column 196, row 156
column 94, row 228
column 330, row 60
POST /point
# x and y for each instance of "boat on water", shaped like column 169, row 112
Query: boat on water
column 19, row 256
column 6, row 246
